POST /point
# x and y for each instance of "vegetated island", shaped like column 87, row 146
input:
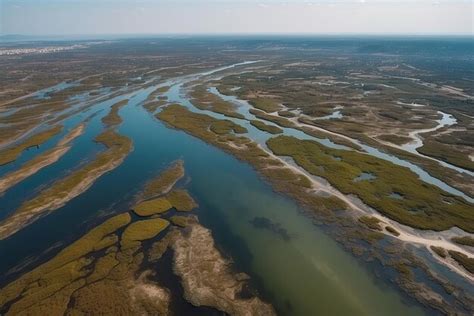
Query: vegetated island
column 110, row 270
column 421, row 205
column 42, row 160
column 12, row 153
column 63, row 190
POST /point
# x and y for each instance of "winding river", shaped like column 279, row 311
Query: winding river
column 306, row 274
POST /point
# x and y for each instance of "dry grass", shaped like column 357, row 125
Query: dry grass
column 142, row 230
column 181, row 200
column 11, row 154
column 155, row 206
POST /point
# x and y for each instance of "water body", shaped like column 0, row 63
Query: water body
column 243, row 108
column 422, row 174
column 44, row 94
column 309, row 274
column 417, row 142
column 446, row 120
column 333, row 115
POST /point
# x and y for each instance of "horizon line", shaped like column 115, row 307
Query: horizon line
column 239, row 34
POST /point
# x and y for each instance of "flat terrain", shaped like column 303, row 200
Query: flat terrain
column 172, row 175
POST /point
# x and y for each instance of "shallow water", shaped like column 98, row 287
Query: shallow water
column 365, row 176
column 43, row 94
column 310, row 274
column 333, row 115
column 422, row 174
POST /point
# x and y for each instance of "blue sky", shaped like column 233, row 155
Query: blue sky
column 70, row 17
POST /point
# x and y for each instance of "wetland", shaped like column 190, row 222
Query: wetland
column 246, row 181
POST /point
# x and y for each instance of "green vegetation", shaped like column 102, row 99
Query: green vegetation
column 447, row 153
column 161, row 90
column 40, row 161
column 113, row 118
column 90, row 276
column 154, row 105
column 392, row 230
column 283, row 179
column 103, row 266
column 11, row 154
column 199, row 125
column 72, row 185
column 266, row 104
column 463, row 260
column 157, row 92
column 423, row 205
column 181, row 221
column 394, row 139
column 287, row 114
column 371, row 222
column 181, row 200
column 164, row 181
column 155, row 206
column 440, row 251
column 142, row 230
column 158, row 248
column 283, row 122
column 266, row 128
column 465, row 241
column 204, row 100
column 61, row 275
column 225, row 127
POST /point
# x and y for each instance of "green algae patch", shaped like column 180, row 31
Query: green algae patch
column 266, row 128
column 463, row 260
column 63, row 190
column 164, row 181
column 58, row 274
column 181, row 200
column 113, row 118
column 371, row 222
column 11, row 154
column 142, row 230
column 465, row 241
column 151, row 207
column 423, row 205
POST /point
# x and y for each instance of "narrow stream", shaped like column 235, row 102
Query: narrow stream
column 244, row 106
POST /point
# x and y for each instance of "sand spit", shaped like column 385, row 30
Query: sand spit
column 207, row 278
column 43, row 160
column 406, row 234
column 64, row 190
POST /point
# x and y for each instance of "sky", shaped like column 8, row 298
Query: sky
column 382, row 17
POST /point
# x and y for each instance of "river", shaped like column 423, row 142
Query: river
column 308, row 274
